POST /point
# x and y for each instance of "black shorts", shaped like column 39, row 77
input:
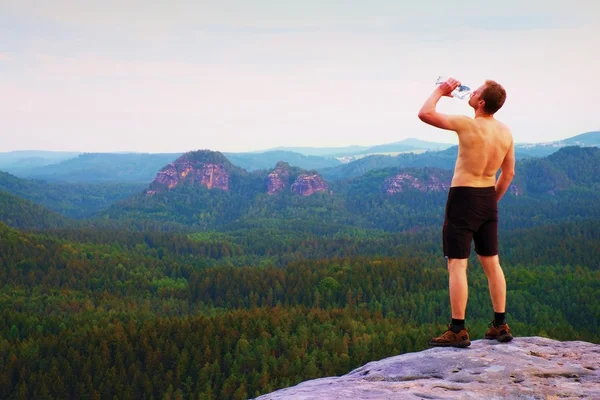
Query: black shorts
column 471, row 214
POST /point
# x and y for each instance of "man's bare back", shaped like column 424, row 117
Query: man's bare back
column 484, row 144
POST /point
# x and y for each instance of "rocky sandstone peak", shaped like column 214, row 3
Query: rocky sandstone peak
column 405, row 181
column 278, row 179
column 308, row 184
column 526, row 368
column 199, row 168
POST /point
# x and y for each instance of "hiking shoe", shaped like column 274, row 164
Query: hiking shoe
column 451, row 339
column 500, row 333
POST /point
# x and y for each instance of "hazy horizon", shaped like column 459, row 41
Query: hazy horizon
column 149, row 77
column 282, row 148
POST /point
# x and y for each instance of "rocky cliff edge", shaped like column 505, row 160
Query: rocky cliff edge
column 527, row 368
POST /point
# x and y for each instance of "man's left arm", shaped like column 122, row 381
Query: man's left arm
column 429, row 114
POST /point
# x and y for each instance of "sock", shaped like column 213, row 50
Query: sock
column 499, row 318
column 457, row 325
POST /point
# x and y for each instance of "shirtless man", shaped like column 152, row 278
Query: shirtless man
column 485, row 146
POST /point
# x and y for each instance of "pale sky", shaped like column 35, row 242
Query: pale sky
column 239, row 75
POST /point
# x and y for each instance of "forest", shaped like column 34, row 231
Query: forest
column 118, row 314
column 207, row 294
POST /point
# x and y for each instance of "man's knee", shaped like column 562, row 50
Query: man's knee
column 488, row 260
column 457, row 263
column 489, row 263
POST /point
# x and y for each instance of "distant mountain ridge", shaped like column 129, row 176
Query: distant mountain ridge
column 391, row 198
column 266, row 160
column 587, row 139
column 320, row 151
column 104, row 167
column 41, row 156
column 405, row 145
column 205, row 191
column 142, row 167
column 446, row 159
column 541, row 149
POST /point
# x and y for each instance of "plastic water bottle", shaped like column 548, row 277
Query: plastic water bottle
column 462, row 92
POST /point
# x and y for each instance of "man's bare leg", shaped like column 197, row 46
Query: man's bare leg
column 496, row 281
column 456, row 335
column 499, row 330
column 459, row 287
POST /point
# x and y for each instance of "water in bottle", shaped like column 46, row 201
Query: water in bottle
column 462, row 92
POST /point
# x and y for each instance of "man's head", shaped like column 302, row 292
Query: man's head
column 489, row 97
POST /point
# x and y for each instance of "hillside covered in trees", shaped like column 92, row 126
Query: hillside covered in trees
column 194, row 292
column 95, row 314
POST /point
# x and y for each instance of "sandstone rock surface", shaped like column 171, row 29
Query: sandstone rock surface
column 404, row 181
column 207, row 174
column 531, row 368
column 278, row 179
column 308, row 184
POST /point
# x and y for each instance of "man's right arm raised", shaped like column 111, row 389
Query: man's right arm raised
column 508, row 172
column 429, row 114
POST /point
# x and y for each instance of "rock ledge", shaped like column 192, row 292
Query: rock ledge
column 527, row 368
